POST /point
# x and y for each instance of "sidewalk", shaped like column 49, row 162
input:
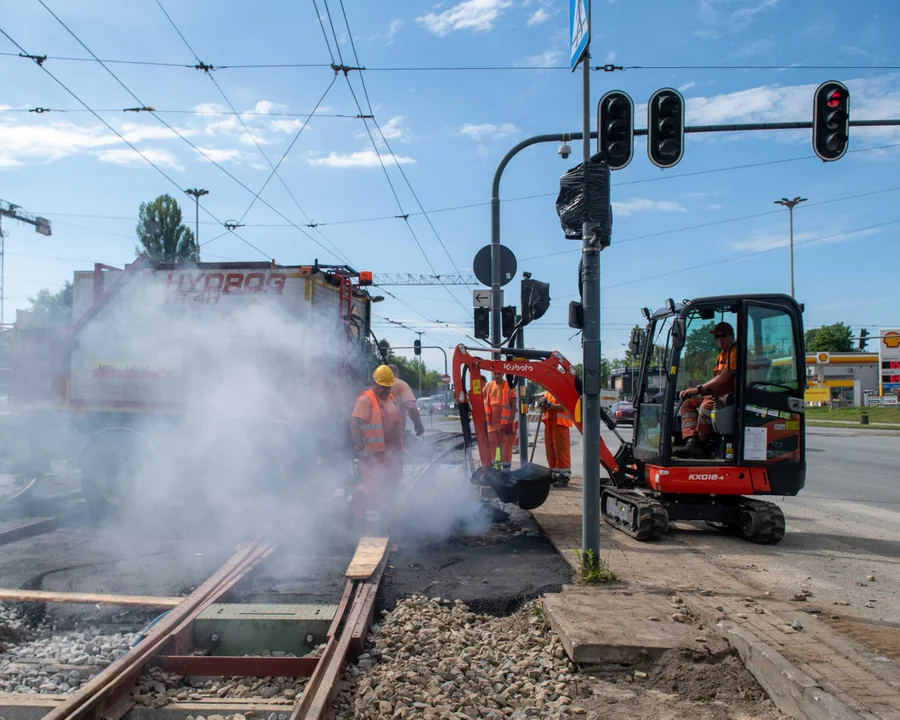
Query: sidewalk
column 811, row 673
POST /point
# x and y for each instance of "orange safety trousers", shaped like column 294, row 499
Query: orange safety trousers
column 380, row 477
column 557, row 444
column 696, row 417
column 505, row 441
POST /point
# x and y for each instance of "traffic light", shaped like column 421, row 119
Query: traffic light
column 417, row 347
column 535, row 298
column 831, row 120
column 482, row 323
column 863, row 334
column 665, row 127
column 615, row 128
column 508, row 318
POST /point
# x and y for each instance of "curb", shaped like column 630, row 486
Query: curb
column 793, row 692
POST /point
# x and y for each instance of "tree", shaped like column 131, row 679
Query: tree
column 700, row 352
column 52, row 308
column 162, row 234
column 829, row 338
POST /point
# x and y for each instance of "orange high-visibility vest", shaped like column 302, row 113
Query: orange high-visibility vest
column 556, row 417
column 373, row 431
column 505, row 411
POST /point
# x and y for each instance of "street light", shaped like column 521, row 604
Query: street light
column 790, row 205
column 197, row 194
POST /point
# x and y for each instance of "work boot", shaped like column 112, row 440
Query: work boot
column 692, row 450
column 561, row 480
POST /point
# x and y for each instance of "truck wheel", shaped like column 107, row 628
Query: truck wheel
column 112, row 462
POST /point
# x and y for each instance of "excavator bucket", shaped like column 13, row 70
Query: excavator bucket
column 527, row 486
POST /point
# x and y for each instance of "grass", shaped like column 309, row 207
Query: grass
column 851, row 414
column 592, row 569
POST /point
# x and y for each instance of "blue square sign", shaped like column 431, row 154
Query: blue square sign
column 579, row 30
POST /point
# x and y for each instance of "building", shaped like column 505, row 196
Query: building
column 849, row 376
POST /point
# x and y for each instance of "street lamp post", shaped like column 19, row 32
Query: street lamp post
column 790, row 205
column 197, row 194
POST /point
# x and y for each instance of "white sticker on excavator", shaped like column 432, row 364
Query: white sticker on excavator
column 755, row 443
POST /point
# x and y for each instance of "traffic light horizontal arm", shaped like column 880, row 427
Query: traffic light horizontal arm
column 741, row 127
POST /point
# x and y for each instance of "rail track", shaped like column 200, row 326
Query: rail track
column 171, row 643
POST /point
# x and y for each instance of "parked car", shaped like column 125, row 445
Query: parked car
column 438, row 403
column 424, row 404
column 622, row 413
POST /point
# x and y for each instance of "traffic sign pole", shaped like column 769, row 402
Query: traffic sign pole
column 590, row 404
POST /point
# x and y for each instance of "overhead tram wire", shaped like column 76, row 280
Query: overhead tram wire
column 362, row 80
column 119, row 135
column 403, row 213
column 191, row 144
column 41, row 110
column 387, row 176
column 609, row 67
column 252, row 137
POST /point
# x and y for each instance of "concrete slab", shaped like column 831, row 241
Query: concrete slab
column 606, row 626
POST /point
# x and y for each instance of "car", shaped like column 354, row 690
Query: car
column 424, row 404
column 438, row 402
column 622, row 413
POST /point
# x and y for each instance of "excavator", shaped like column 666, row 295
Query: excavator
column 756, row 445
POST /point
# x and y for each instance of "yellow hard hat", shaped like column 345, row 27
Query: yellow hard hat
column 383, row 376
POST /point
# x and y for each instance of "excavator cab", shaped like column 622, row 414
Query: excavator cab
column 756, row 427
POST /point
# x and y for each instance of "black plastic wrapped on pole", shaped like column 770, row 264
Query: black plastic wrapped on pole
column 571, row 206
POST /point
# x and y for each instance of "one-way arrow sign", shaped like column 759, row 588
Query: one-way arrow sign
column 482, row 298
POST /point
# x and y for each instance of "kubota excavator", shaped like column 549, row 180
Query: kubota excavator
column 756, row 445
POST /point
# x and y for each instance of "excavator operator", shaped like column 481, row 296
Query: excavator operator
column 698, row 402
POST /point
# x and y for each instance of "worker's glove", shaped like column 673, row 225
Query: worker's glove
column 420, row 429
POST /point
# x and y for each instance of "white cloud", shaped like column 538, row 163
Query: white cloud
column 246, row 138
column 478, row 15
column 624, row 208
column 720, row 19
column 686, row 86
column 610, row 57
column 48, row 142
column 544, row 59
column 220, row 155
column 762, row 242
column 231, row 124
column 393, row 29
column 392, row 129
column 135, row 133
column 264, row 107
column 127, row 157
column 364, row 158
column 286, row 126
column 488, row 131
column 210, row 108
column 540, row 16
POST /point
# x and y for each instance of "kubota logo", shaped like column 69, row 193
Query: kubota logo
column 705, row 476
column 513, row 367
column 892, row 340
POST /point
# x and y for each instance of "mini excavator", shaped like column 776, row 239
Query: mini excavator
column 756, row 445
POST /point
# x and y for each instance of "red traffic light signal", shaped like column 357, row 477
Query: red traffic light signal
column 831, row 120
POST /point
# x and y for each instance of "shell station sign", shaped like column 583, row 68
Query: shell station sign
column 889, row 359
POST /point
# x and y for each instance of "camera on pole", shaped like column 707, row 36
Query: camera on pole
column 615, row 128
column 665, row 128
column 831, row 120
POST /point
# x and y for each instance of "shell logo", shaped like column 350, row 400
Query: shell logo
column 823, row 357
column 892, row 340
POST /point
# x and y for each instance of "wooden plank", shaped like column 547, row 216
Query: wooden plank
column 34, row 527
column 367, row 558
column 88, row 598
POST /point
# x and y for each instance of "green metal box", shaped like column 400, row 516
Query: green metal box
column 249, row 629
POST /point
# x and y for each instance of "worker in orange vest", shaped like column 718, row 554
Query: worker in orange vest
column 376, row 429
column 499, row 407
column 556, row 440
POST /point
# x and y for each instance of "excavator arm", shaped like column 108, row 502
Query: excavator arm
column 551, row 370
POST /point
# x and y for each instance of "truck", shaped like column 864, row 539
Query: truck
column 191, row 379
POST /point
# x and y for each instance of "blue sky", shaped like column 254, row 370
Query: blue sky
column 448, row 130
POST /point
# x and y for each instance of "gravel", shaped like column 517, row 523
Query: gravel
column 435, row 659
column 40, row 660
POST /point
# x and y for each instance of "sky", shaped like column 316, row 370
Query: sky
column 707, row 226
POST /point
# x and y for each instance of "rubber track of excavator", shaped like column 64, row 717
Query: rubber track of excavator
column 771, row 521
column 652, row 518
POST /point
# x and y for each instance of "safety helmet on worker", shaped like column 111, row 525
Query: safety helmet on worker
column 383, row 376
